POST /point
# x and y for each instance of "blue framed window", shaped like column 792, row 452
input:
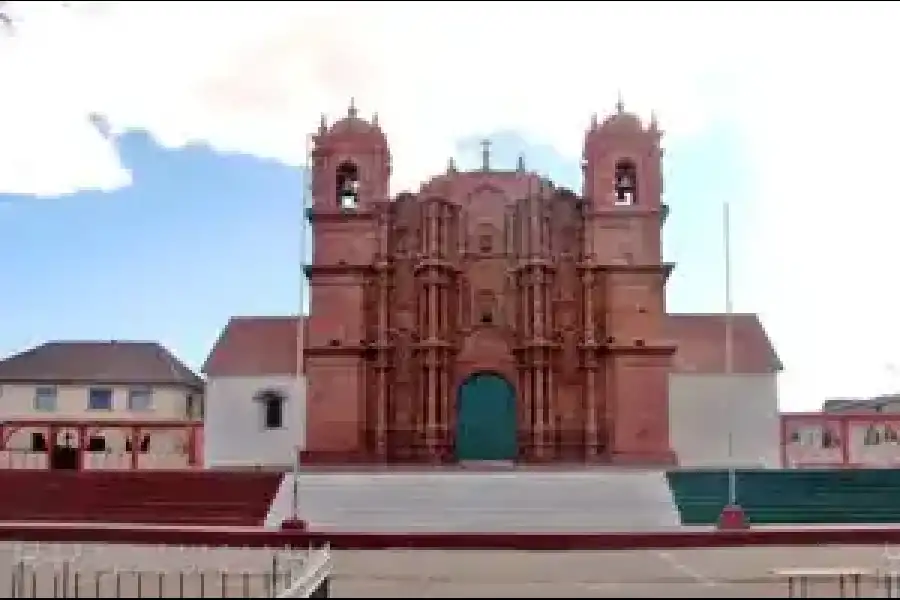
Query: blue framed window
column 140, row 399
column 100, row 399
column 45, row 399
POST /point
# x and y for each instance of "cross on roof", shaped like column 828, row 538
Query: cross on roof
column 485, row 155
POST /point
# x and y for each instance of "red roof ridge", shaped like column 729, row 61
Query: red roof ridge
column 251, row 346
column 267, row 345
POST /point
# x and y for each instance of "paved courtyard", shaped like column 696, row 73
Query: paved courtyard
column 721, row 572
column 109, row 571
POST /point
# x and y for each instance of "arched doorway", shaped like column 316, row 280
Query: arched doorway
column 486, row 423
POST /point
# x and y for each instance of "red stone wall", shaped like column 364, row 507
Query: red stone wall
column 488, row 270
column 258, row 537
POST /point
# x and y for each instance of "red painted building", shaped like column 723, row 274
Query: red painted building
column 493, row 315
column 840, row 440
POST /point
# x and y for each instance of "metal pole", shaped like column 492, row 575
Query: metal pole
column 301, row 303
column 295, row 486
column 729, row 347
column 732, row 474
column 301, row 326
column 307, row 202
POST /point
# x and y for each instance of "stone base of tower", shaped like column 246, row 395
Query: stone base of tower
column 335, row 457
column 664, row 458
column 361, row 458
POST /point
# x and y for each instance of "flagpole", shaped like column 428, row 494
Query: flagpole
column 729, row 307
column 729, row 344
column 301, row 326
column 732, row 516
column 304, row 224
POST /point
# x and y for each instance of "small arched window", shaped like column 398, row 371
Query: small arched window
column 485, row 239
column 486, row 307
column 347, row 182
column 626, row 183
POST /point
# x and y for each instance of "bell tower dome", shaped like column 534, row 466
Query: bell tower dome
column 351, row 164
column 622, row 161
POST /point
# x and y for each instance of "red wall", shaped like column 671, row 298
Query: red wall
column 840, row 440
column 258, row 537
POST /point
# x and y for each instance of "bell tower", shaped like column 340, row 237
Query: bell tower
column 350, row 177
column 351, row 164
column 624, row 272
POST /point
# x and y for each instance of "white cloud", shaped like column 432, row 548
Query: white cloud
column 807, row 86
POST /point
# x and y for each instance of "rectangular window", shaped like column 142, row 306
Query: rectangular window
column 140, row 399
column 96, row 443
column 143, row 447
column 100, row 399
column 38, row 442
column 274, row 413
column 45, row 399
column 193, row 407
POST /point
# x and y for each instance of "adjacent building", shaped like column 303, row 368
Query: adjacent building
column 110, row 404
column 256, row 410
column 847, row 433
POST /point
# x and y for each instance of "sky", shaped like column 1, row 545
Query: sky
column 151, row 153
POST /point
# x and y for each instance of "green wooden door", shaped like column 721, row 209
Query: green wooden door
column 486, row 419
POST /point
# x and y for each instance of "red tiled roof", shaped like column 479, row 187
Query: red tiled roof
column 255, row 346
column 109, row 362
column 701, row 344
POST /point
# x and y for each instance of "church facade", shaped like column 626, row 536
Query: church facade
column 492, row 315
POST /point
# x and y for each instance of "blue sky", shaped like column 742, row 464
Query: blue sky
column 201, row 235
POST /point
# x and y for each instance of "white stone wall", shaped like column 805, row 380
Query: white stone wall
column 705, row 409
column 234, row 431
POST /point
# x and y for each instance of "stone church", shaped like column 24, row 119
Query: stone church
column 491, row 316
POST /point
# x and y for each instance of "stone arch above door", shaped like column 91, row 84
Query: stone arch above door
column 486, row 349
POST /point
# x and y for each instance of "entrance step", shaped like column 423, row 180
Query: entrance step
column 515, row 500
column 488, row 465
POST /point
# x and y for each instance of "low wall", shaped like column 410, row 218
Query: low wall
column 85, row 570
column 259, row 537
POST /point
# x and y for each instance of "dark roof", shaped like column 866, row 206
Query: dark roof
column 109, row 362
column 701, row 344
column 860, row 405
column 255, row 346
column 258, row 346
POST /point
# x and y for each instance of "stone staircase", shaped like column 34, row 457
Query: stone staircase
column 512, row 500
